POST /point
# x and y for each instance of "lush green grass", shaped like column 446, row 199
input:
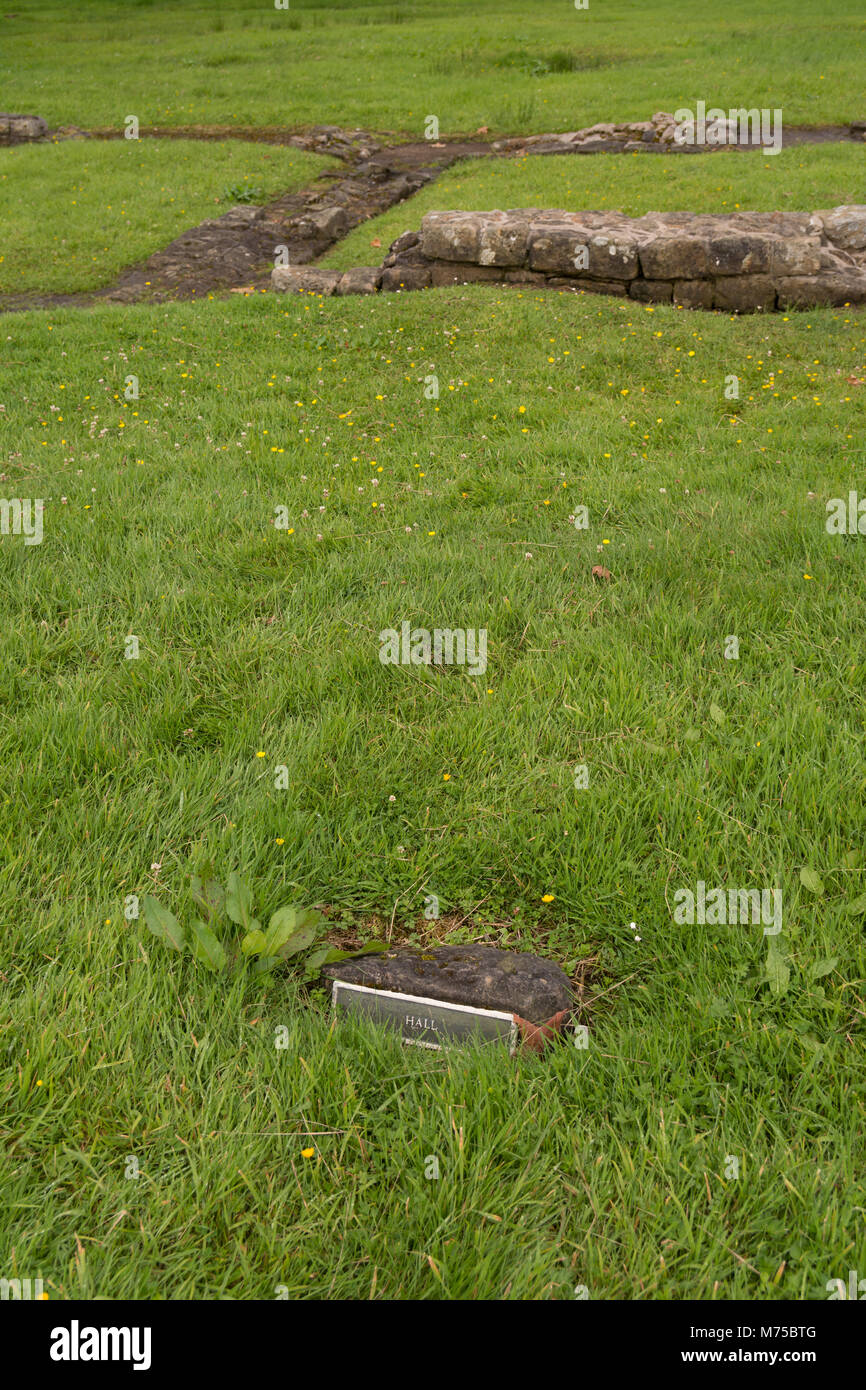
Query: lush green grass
column 795, row 179
column 611, row 1167
column 74, row 215
column 607, row 1167
column 386, row 65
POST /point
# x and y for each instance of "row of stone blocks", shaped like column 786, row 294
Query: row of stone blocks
column 739, row 262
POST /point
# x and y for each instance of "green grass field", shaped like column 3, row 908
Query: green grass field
column 157, row 1141
column 76, row 214
column 707, row 1042
column 387, row 65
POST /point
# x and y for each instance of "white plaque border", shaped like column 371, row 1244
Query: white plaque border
column 350, row 987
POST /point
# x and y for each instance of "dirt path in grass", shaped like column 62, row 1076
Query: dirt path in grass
column 239, row 249
column 236, row 252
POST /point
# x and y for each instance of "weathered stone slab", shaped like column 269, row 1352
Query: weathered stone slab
column 676, row 258
column 808, row 291
column 744, row 294
column 405, row 277
column 305, row 279
column 524, row 277
column 741, row 255
column 580, row 286
column 795, row 257
column 503, row 243
column 482, row 976
column 327, row 223
column 462, row 273
column 404, row 242
column 235, row 217
column 651, row 291
column 488, row 238
column 19, row 130
column 597, row 144
column 693, row 294
column 846, row 227
column 363, row 279
column 571, row 248
column 452, row 236
column 413, row 255
column 559, row 249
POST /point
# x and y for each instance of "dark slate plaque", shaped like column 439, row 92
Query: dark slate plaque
column 433, row 1023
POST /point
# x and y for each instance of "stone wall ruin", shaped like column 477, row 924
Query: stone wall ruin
column 738, row 262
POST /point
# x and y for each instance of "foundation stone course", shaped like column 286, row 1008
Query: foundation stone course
column 741, row 262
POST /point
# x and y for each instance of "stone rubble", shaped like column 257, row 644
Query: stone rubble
column 656, row 136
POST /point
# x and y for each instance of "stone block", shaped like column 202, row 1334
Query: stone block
column 693, row 294
column 835, row 287
column 741, row 255
column 800, row 256
column 651, row 291
column 846, row 227
column 364, row 279
column 598, row 144
column 19, row 130
column 524, row 277
column 409, row 277
column 305, row 279
column 615, row 287
column 404, row 242
column 676, row 258
column 744, row 294
column 503, row 243
column 572, row 249
column 452, row 236
column 455, row 273
column 327, row 223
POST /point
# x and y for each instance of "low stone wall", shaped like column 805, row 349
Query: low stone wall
column 657, row 136
column 739, row 262
column 20, row 130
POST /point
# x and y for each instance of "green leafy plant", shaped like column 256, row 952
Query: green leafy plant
column 289, row 937
column 243, row 193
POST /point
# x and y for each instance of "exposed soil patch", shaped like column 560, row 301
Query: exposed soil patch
column 322, row 139
column 822, row 135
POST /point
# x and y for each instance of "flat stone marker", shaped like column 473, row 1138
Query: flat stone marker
column 425, row 1022
column 450, row 993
